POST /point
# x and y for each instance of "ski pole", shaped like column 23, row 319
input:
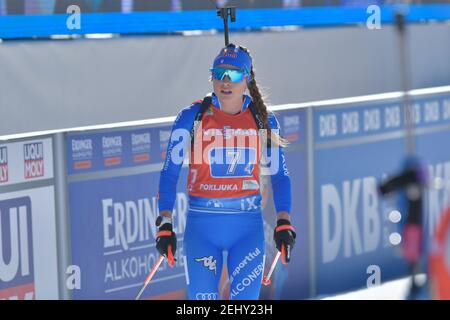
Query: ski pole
column 150, row 276
column 171, row 262
column 266, row 279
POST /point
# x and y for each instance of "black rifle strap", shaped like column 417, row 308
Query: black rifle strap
column 205, row 105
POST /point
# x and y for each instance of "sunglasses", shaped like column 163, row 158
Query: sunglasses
column 232, row 74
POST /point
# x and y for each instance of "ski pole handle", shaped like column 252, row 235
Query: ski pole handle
column 266, row 279
column 170, row 258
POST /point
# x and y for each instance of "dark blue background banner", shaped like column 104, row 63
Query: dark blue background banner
column 291, row 281
column 355, row 148
column 113, row 238
column 42, row 26
column 114, row 150
column 113, row 210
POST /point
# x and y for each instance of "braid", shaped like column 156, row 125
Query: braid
column 258, row 102
column 260, row 106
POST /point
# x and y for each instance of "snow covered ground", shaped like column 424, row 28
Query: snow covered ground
column 391, row 290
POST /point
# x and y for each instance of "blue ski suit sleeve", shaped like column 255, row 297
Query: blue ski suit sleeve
column 177, row 148
column 280, row 179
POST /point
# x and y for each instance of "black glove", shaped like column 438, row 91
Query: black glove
column 165, row 239
column 284, row 236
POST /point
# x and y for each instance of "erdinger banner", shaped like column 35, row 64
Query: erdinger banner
column 352, row 227
column 28, row 264
column 113, row 216
column 102, row 151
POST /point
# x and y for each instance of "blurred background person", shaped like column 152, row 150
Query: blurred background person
column 200, row 4
column 360, row 3
column 319, row 3
column 160, row 5
column 89, row 6
column 2, row 8
column 241, row 4
column 62, row 5
column 256, row 4
column 127, row 6
column 15, row 7
column 291, row 3
column 39, row 6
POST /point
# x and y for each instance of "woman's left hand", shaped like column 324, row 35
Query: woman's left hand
column 284, row 236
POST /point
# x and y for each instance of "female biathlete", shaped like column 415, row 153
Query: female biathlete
column 230, row 138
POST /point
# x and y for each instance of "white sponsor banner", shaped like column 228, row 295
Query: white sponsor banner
column 26, row 161
column 29, row 227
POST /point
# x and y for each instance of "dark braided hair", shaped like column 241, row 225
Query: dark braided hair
column 260, row 106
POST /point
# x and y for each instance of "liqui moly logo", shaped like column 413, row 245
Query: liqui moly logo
column 3, row 164
column 16, row 250
column 34, row 160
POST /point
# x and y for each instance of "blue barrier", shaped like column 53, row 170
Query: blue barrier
column 352, row 221
column 113, row 183
column 291, row 281
column 339, row 153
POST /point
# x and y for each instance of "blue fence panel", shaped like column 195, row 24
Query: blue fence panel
column 291, row 281
column 113, row 207
column 112, row 203
column 355, row 148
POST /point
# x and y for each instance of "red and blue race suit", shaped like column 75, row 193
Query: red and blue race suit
column 226, row 161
